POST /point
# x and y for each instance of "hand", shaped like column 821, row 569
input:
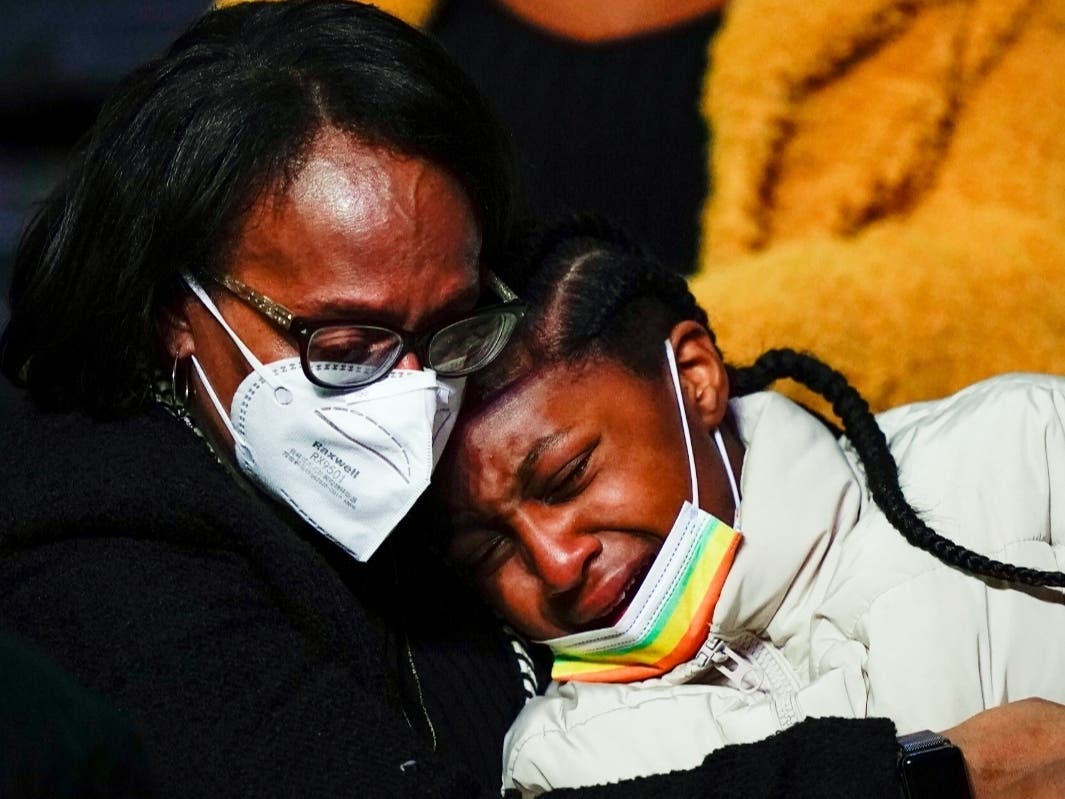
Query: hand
column 1015, row 751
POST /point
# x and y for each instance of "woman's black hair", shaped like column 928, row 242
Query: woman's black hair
column 183, row 148
column 591, row 293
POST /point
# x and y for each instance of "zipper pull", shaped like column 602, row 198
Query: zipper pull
column 744, row 675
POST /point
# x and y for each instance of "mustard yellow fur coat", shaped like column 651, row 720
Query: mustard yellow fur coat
column 888, row 187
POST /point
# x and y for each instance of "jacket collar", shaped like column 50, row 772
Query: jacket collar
column 799, row 495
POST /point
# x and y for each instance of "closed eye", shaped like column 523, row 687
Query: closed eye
column 570, row 480
column 477, row 554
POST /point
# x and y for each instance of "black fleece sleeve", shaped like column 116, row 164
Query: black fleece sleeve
column 816, row 759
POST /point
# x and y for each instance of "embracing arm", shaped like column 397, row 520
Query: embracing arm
column 1016, row 751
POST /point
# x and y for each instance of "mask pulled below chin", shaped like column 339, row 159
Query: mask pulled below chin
column 668, row 619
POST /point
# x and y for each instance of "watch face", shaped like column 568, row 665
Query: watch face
column 936, row 773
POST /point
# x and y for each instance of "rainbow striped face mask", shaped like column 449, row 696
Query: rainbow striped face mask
column 668, row 619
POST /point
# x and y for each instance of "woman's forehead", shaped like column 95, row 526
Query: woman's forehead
column 363, row 230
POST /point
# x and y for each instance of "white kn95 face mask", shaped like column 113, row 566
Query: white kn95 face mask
column 351, row 463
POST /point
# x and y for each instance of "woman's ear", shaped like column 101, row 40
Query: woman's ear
column 175, row 329
column 703, row 377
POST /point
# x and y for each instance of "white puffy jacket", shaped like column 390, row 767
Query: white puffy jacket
column 828, row 611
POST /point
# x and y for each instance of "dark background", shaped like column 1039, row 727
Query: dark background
column 58, row 59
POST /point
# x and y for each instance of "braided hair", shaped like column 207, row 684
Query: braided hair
column 880, row 467
column 592, row 293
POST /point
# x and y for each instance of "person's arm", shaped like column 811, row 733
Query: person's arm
column 590, row 735
column 1016, row 751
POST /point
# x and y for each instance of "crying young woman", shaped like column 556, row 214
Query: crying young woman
column 709, row 562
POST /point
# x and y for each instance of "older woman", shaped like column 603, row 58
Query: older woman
column 243, row 319
column 266, row 269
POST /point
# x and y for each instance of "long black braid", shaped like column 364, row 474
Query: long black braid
column 881, row 469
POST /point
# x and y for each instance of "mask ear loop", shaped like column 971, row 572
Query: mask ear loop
column 254, row 362
column 671, row 359
column 281, row 394
column 238, row 440
column 731, row 477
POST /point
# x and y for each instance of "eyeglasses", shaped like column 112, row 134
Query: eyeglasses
column 342, row 354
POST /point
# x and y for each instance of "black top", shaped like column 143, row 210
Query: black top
column 610, row 127
column 254, row 661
